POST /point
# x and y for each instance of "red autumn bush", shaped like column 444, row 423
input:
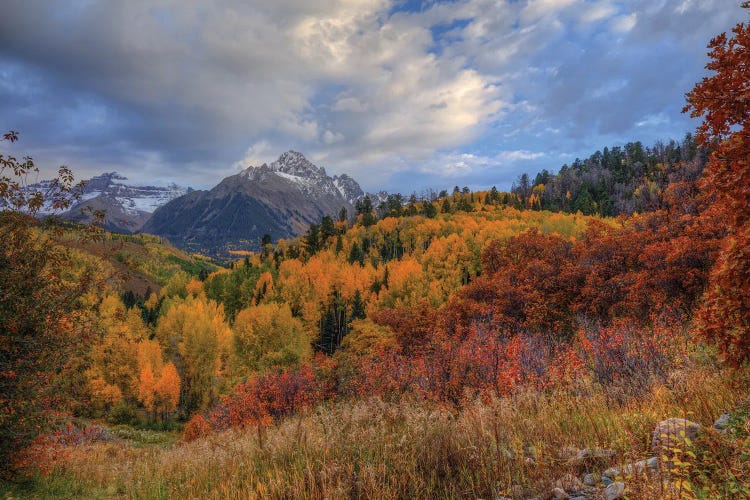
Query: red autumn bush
column 197, row 427
column 258, row 401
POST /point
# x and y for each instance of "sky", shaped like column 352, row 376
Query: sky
column 403, row 95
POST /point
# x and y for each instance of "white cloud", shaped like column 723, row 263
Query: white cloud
column 259, row 153
column 623, row 24
column 332, row 137
column 597, row 12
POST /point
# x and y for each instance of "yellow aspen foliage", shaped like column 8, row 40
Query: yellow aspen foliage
column 111, row 310
column 195, row 335
column 149, row 354
column 366, row 337
column 404, row 272
column 264, row 286
column 267, row 336
column 194, row 288
column 114, row 356
column 159, row 383
column 134, row 323
column 152, row 301
column 176, row 285
column 105, row 393
column 446, row 258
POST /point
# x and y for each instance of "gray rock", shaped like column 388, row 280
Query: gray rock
column 611, row 473
column 606, row 481
column 722, row 422
column 590, row 480
column 568, row 452
column 672, row 433
column 559, row 494
column 516, row 491
column 614, row 491
column 641, row 467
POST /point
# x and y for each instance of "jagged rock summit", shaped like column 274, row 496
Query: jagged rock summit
column 280, row 199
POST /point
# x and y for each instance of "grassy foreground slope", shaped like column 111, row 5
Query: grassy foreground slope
column 518, row 447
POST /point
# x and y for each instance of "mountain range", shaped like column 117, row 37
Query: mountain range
column 126, row 204
column 280, row 199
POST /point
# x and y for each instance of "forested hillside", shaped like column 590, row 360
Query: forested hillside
column 616, row 180
column 519, row 344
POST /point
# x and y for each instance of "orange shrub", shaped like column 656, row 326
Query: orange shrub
column 196, row 428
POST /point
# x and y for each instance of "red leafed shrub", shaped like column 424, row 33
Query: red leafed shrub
column 48, row 450
column 721, row 101
column 258, row 401
column 196, row 428
column 625, row 352
column 725, row 316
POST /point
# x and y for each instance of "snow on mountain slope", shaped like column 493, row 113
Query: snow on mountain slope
column 127, row 204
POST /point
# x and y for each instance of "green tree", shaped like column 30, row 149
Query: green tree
column 358, row 307
column 365, row 210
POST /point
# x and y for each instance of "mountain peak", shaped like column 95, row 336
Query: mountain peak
column 295, row 163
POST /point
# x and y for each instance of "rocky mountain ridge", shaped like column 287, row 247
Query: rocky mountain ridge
column 280, row 199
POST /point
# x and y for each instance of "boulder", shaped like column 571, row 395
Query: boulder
column 559, row 494
column 614, row 491
column 673, row 433
column 590, row 479
column 611, row 473
column 594, row 454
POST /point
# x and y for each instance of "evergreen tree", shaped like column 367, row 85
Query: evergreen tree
column 355, row 254
column 446, row 209
column 334, row 324
column 343, row 215
column 364, row 208
column 339, row 244
column 327, row 228
column 429, row 210
column 312, row 239
column 358, row 306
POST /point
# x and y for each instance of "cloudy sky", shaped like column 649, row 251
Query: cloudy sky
column 402, row 94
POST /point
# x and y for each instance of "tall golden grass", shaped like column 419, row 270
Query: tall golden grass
column 514, row 446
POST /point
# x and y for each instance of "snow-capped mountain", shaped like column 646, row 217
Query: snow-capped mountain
column 348, row 188
column 281, row 199
column 127, row 205
column 131, row 197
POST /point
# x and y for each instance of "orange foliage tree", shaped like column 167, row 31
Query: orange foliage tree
column 722, row 101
